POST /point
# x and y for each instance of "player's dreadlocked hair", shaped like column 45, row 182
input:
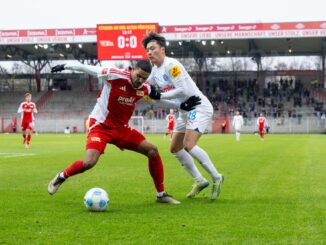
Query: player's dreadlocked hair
column 145, row 65
column 153, row 36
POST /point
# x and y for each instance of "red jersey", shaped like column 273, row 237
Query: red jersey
column 117, row 100
column 170, row 118
column 27, row 110
column 261, row 121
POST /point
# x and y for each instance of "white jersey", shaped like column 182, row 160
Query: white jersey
column 237, row 121
column 176, row 84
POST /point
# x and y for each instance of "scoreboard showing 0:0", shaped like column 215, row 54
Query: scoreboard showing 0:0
column 125, row 42
column 122, row 41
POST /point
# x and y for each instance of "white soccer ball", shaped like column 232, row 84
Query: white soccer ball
column 96, row 199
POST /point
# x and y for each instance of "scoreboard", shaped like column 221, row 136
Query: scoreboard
column 122, row 41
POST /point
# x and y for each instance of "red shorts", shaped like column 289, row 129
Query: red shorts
column 26, row 125
column 123, row 137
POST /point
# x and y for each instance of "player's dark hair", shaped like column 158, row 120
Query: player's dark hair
column 153, row 36
column 145, row 65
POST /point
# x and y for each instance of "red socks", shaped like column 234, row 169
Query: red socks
column 76, row 168
column 157, row 172
column 28, row 138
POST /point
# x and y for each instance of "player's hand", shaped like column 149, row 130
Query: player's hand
column 190, row 103
column 58, row 68
column 154, row 94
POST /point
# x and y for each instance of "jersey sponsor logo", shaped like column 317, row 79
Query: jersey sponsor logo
column 140, row 93
column 123, row 88
column 97, row 139
column 175, row 71
column 167, row 88
column 166, row 77
column 125, row 100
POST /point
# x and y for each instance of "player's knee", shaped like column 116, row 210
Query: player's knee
column 188, row 146
column 174, row 149
column 153, row 152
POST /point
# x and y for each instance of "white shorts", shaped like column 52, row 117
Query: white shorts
column 197, row 120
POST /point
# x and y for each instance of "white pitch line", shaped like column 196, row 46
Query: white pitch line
column 9, row 155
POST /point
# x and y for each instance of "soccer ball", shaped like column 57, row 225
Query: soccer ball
column 96, row 199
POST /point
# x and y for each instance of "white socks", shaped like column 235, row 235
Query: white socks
column 160, row 194
column 61, row 175
column 201, row 156
column 237, row 136
column 188, row 163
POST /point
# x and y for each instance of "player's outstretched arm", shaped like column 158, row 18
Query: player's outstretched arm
column 188, row 105
column 91, row 70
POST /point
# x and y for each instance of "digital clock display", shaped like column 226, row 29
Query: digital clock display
column 122, row 41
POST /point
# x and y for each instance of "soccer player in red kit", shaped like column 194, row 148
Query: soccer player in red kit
column 261, row 123
column 170, row 118
column 109, row 123
column 27, row 110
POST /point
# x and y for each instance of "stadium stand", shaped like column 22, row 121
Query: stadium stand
column 290, row 105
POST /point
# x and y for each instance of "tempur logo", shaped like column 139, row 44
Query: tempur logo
column 125, row 100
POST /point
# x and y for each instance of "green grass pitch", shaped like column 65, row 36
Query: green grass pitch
column 274, row 193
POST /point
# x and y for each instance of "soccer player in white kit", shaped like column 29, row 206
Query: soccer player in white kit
column 176, row 85
column 237, row 124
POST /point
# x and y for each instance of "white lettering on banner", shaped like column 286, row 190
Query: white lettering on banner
column 300, row 26
column 182, row 29
column 117, row 57
column 9, row 33
column 37, row 33
column 247, row 27
column 89, row 32
column 204, row 28
column 70, row 32
column 225, row 28
column 275, row 27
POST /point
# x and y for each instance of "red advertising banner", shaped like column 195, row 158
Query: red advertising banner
column 122, row 41
column 244, row 27
column 118, row 38
column 245, row 31
column 73, row 35
column 48, row 32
